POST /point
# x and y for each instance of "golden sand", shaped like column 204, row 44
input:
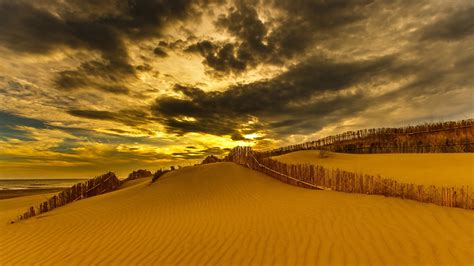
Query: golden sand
column 226, row 214
column 440, row 169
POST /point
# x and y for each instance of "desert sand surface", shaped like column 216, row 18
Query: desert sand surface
column 225, row 214
column 440, row 169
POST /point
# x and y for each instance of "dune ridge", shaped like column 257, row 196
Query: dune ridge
column 223, row 213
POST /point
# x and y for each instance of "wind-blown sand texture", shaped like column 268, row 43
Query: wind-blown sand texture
column 439, row 169
column 226, row 214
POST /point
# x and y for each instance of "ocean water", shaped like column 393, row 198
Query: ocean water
column 25, row 184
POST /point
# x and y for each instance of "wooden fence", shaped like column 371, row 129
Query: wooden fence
column 318, row 177
column 453, row 136
column 141, row 173
column 159, row 174
column 92, row 187
column 210, row 159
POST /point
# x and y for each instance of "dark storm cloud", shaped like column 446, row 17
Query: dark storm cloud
column 160, row 52
column 99, row 75
column 304, row 23
column 177, row 44
column 226, row 58
column 145, row 67
column 92, row 114
column 10, row 122
column 198, row 154
column 110, row 138
column 10, row 128
column 127, row 117
column 29, row 28
column 26, row 28
column 223, row 113
column 455, row 26
column 242, row 22
column 310, row 21
column 433, row 77
column 67, row 146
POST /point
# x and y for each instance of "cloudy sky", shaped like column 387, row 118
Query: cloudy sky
column 89, row 86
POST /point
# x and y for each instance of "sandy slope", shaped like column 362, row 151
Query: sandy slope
column 226, row 214
column 440, row 169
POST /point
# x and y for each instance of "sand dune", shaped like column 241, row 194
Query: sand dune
column 226, row 214
column 440, row 169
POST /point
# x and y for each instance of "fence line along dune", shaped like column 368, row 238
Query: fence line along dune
column 318, row 177
column 92, row 187
column 452, row 136
column 141, row 173
column 99, row 185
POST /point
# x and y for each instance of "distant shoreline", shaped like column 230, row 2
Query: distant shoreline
column 13, row 193
column 11, row 188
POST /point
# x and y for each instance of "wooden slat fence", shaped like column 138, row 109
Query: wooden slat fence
column 453, row 136
column 318, row 177
column 159, row 174
column 92, row 187
column 141, row 173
